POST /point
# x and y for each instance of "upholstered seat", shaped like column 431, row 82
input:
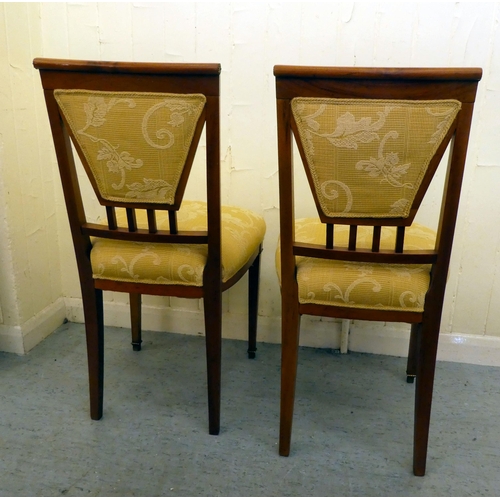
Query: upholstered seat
column 174, row 264
column 362, row 285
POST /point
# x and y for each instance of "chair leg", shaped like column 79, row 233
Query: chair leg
column 290, row 324
column 94, row 329
column 253, row 306
column 136, row 320
column 427, row 343
column 212, row 303
column 411, row 367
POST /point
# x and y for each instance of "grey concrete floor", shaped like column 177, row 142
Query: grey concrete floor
column 352, row 429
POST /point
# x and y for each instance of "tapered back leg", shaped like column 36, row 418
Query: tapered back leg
column 253, row 306
column 290, row 324
column 411, row 367
column 135, row 320
column 94, row 329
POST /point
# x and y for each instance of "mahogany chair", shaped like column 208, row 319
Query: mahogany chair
column 136, row 128
column 370, row 141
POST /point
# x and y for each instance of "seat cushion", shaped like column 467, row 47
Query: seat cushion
column 392, row 287
column 178, row 264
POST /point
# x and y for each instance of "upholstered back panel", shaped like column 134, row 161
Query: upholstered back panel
column 135, row 144
column 367, row 158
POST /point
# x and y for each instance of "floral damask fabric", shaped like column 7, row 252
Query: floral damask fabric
column 178, row 264
column 355, row 148
column 135, row 144
column 362, row 285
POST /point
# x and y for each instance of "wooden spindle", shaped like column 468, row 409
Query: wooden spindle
column 172, row 221
column 400, row 239
column 376, row 238
column 329, row 236
column 111, row 215
column 152, row 221
column 132, row 222
column 353, row 234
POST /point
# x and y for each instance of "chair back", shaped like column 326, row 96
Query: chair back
column 134, row 145
column 136, row 128
column 371, row 141
column 368, row 158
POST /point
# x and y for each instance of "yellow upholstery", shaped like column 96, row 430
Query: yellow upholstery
column 367, row 158
column 135, row 144
column 242, row 233
column 359, row 285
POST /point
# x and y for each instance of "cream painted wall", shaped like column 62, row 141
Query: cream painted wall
column 30, row 278
column 37, row 265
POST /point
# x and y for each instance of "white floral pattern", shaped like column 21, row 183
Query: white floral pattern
column 361, row 285
column 382, row 145
column 178, row 264
column 128, row 267
column 348, row 133
column 330, row 193
column 177, row 118
column 149, row 188
column 134, row 144
column 442, row 126
column 387, row 165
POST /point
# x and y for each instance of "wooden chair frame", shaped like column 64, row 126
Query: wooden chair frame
column 372, row 83
column 147, row 77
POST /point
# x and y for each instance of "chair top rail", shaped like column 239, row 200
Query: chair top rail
column 377, row 83
column 127, row 67
column 443, row 74
column 181, row 78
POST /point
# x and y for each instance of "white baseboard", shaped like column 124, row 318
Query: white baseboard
column 392, row 339
column 21, row 339
column 11, row 339
column 370, row 337
column 474, row 349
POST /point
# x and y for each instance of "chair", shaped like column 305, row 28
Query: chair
column 136, row 128
column 370, row 141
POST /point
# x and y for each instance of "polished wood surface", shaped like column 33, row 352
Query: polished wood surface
column 372, row 83
column 115, row 67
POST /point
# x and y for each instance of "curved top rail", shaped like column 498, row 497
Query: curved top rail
column 127, row 67
column 285, row 71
